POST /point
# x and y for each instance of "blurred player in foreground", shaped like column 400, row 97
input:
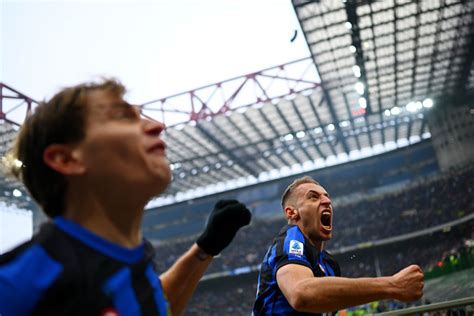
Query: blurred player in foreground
column 92, row 163
column 298, row 277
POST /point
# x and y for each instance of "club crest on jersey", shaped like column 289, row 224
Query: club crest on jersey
column 296, row 247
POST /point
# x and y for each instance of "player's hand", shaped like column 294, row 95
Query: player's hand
column 408, row 284
column 227, row 217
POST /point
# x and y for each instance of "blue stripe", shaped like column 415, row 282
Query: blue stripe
column 271, row 261
column 24, row 280
column 106, row 247
column 119, row 288
column 329, row 271
column 322, row 264
column 155, row 283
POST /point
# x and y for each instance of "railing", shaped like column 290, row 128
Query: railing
column 463, row 306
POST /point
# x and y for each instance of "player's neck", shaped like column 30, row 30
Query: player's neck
column 316, row 242
column 114, row 217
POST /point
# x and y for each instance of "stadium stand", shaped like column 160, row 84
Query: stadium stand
column 424, row 205
column 344, row 182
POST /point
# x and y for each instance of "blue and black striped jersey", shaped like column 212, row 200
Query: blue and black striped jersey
column 67, row 270
column 289, row 247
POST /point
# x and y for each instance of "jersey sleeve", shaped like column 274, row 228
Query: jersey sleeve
column 292, row 249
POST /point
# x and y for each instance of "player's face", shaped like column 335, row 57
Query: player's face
column 314, row 208
column 122, row 149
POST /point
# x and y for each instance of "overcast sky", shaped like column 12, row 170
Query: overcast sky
column 156, row 48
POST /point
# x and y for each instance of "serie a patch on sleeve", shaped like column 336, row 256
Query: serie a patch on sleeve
column 296, row 247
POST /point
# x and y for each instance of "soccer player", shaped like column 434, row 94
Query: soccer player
column 298, row 277
column 92, row 163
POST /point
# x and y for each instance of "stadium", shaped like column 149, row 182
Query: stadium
column 381, row 114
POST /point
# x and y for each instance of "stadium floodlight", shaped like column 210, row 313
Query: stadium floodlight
column 331, row 127
column 359, row 87
column 359, row 119
column 356, row 71
column 411, row 107
column 352, row 48
column 363, row 103
column 300, row 134
column 290, row 97
column 395, row 110
column 418, row 105
column 274, row 101
column 344, row 123
column 307, row 92
column 387, row 112
column 428, row 103
column 17, row 193
column 288, row 137
column 240, row 110
column 348, row 25
column 318, row 130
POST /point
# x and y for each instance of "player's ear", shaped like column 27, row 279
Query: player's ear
column 63, row 159
column 291, row 213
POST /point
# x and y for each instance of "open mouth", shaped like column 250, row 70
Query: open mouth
column 326, row 220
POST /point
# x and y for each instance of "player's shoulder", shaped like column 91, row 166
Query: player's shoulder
column 291, row 234
column 49, row 248
column 26, row 272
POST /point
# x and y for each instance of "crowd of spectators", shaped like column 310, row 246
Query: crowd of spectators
column 346, row 183
column 425, row 205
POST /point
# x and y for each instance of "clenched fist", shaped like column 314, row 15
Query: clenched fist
column 227, row 217
column 408, row 284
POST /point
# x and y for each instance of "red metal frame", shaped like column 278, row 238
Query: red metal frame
column 8, row 93
column 219, row 98
column 208, row 101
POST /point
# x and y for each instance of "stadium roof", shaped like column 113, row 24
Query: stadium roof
column 376, row 67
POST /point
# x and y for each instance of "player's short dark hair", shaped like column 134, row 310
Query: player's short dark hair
column 61, row 120
column 289, row 190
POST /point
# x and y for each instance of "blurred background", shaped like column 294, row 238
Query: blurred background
column 373, row 99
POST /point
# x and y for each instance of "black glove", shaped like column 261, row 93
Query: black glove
column 227, row 217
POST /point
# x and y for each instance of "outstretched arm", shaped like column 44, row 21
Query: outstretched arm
column 180, row 281
column 306, row 293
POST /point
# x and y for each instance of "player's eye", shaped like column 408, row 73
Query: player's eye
column 127, row 112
